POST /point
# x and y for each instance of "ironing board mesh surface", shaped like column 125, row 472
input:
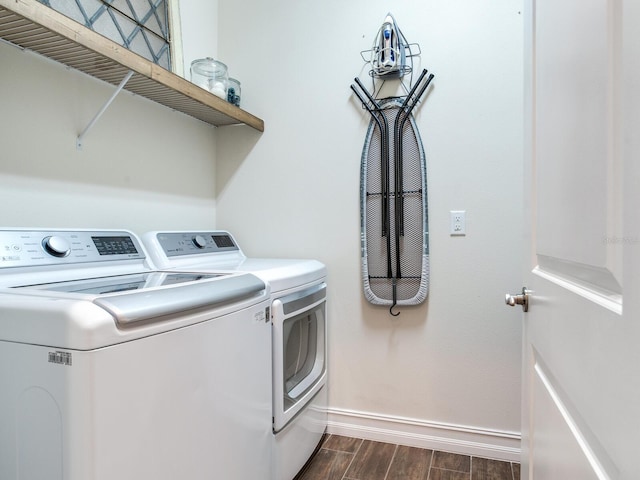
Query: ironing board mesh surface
column 412, row 245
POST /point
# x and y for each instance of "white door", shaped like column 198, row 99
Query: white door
column 581, row 368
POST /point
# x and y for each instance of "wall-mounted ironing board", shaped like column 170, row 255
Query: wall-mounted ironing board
column 393, row 202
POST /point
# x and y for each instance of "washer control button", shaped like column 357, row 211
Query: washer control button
column 199, row 241
column 56, row 246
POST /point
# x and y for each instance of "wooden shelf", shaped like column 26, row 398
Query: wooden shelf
column 34, row 26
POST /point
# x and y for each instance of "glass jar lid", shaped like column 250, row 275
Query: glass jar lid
column 209, row 67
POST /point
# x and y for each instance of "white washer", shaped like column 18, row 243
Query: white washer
column 112, row 370
column 299, row 328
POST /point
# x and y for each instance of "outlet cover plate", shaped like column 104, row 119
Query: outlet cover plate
column 458, row 223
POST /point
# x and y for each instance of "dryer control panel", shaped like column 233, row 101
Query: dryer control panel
column 27, row 248
column 189, row 243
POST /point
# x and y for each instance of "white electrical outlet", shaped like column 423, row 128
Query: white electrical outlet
column 458, row 222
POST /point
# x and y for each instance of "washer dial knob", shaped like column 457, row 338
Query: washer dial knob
column 199, row 241
column 56, row 246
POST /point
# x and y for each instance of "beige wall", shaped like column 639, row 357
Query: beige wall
column 199, row 30
column 142, row 166
column 294, row 192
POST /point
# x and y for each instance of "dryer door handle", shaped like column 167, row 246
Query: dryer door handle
column 304, row 299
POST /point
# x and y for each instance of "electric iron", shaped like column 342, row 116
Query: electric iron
column 388, row 58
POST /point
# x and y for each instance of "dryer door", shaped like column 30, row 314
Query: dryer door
column 299, row 348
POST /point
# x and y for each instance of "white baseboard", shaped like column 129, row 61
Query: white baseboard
column 495, row 444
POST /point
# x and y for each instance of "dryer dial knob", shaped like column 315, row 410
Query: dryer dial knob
column 199, row 241
column 56, row 246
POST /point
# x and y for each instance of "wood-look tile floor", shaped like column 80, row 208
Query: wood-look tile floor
column 346, row 458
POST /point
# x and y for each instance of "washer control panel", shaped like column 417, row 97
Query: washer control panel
column 192, row 243
column 23, row 248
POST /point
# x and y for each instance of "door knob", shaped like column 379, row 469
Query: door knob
column 521, row 299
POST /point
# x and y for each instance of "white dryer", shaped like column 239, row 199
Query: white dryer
column 299, row 332
column 112, row 370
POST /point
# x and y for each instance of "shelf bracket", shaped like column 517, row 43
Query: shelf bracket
column 103, row 109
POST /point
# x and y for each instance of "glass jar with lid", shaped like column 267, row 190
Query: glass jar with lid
column 210, row 74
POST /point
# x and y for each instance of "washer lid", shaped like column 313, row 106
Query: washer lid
column 149, row 296
column 105, row 285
